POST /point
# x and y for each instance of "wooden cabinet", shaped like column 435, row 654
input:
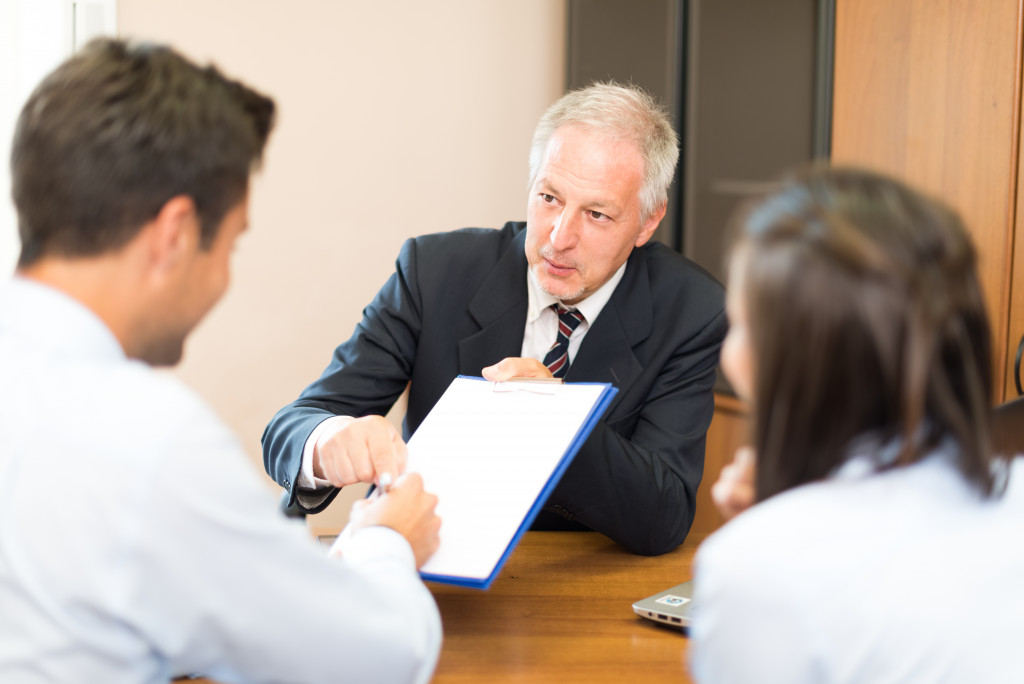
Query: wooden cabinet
column 929, row 91
column 1015, row 327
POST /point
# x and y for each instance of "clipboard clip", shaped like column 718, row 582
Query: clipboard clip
column 524, row 384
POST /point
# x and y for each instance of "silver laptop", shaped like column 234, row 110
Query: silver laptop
column 671, row 607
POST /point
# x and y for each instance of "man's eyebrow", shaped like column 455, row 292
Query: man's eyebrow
column 544, row 184
column 606, row 206
column 547, row 187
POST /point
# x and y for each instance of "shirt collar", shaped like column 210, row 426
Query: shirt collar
column 539, row 300
column 869, row 453
column 54, row 320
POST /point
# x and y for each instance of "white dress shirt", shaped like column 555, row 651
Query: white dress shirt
column 542, row 321
column 902, row 576
column 138, row 543
column 540, row 334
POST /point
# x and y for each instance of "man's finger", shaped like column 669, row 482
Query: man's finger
column 340, row 471
column 401, row 455
column 516, row 367
column 503, row 370
column 410, row 481
column 383, row 455
column 360, row 455
column 745, row 457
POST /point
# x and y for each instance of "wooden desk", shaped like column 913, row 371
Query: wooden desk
column 561, row 611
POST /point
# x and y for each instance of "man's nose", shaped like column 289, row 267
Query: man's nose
column 565, row 231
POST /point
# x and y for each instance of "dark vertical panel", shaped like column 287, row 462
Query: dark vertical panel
column 751, row 84
column 635, row 42
column 824, row 61
column 748, row 83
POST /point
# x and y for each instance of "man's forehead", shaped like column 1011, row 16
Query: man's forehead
column 572, row 146
column 591, row 162
column 596, row 136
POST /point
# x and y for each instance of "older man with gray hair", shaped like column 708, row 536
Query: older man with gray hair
column 579, row 292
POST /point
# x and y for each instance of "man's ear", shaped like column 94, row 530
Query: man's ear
column 173, row 233
column 650, row 225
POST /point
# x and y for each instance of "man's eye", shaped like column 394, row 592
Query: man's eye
column 547, row 198
column 597, row 216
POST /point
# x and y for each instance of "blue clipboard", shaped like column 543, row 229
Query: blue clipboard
column 597, row 410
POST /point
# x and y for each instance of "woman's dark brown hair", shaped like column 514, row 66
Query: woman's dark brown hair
column 866, row 319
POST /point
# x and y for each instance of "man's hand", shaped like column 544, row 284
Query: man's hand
column 735, row 490
column 516, row 367
column 407, row 509
column 358, row 450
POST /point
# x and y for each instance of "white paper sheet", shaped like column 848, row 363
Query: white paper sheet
column 488, row 455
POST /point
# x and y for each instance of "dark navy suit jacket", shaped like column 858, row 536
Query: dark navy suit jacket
column 457, row 302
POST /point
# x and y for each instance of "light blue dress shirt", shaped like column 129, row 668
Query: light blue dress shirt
column 138, row 543
column 906, row 575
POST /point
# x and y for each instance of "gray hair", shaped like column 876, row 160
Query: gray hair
column 626, row 112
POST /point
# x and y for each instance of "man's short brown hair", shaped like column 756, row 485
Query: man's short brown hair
column 115, row 132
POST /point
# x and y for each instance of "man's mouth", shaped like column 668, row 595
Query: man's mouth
column 558, row 269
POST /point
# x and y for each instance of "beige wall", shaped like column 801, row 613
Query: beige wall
column 396, row 119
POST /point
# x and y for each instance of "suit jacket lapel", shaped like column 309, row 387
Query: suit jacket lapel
column 499, row 308
column 606, row 354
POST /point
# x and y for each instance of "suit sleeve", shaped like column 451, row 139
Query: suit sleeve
column 366, row 375
column 635, row 479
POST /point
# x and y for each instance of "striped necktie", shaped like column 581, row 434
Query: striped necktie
column 557, row 358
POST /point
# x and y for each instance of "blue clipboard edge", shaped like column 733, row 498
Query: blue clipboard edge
column 563, row 464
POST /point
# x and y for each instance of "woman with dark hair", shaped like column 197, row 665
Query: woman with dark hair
column 885, row 543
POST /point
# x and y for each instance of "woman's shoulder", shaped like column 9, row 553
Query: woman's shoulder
column 835, row 521
column 782, row 538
